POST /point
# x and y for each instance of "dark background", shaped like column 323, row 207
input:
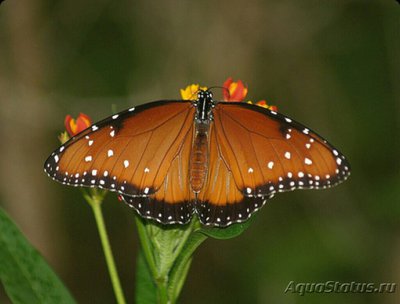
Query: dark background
column 333, row 65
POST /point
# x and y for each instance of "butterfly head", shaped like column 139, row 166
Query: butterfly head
column 204, row 94
column 204, row 105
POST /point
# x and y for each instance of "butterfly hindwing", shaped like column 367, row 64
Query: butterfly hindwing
column 173, row 202
column 222, row 202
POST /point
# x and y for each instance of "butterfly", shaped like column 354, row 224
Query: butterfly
column 221, row 161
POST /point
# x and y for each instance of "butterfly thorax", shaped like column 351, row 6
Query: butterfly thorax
column 204, row 105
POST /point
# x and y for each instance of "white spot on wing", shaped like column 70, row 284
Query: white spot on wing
column 270, row 164
column 110, row 153
column 287, row 155
column 112, row 133
column 307, row 161
column 88, row 158
column 126, row 163
column 115, row 116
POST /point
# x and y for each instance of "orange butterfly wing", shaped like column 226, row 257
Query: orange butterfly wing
column 130, row 152
column 254, row 153
column 174, row 200
column 144, row 154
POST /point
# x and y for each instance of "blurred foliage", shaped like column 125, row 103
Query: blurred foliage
column 24, row 274
column 332, row 65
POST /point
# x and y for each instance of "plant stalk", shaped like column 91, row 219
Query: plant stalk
column 95, row 201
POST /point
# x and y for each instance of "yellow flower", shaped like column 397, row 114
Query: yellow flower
column 189, row 93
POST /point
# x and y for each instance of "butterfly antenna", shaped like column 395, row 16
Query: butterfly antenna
column 223, row 88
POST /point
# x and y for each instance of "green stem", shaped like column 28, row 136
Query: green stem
column 161, row 282
column 95, row 201
column 162, row 292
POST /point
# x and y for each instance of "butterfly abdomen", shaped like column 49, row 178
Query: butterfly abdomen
column 199, row 158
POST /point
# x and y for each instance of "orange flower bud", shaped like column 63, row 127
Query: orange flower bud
column 263, row 103
column 236, row 91
column 273, row 108
column 74, row 127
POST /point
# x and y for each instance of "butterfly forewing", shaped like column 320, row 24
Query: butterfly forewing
column 268, row 152
column 130, row 152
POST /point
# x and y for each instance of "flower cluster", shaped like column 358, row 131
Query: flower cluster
column 233, row 91
column 74, row 126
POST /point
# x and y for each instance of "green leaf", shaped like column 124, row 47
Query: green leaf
column 26, row 276
column 228, row 232
column 182, row 264
column 146, row 291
